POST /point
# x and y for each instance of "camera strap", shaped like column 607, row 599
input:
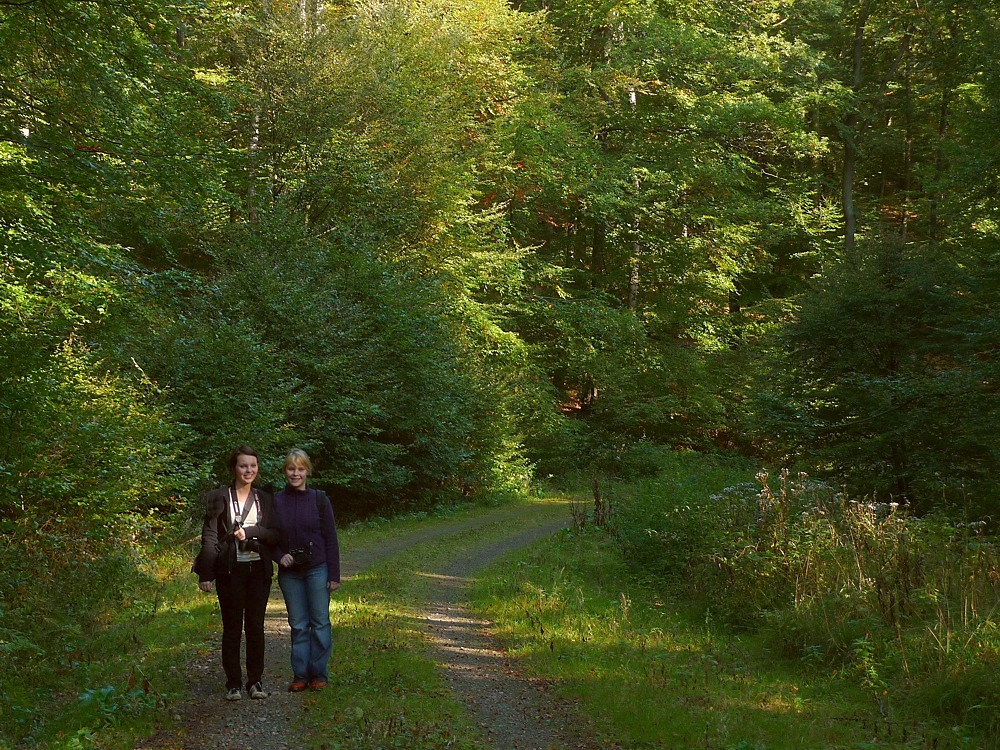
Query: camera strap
column 251, row 499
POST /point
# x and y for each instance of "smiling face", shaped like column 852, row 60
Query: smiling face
column 296, row 473
column 245, row 469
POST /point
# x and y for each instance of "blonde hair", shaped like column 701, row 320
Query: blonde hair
column 298, row 457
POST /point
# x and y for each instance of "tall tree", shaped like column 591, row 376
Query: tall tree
column 85, row 140
column 889, row 351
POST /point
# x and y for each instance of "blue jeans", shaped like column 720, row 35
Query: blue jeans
column 308, row 602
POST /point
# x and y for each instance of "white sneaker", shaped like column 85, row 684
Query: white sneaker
column 234, row 694
column 257, row 691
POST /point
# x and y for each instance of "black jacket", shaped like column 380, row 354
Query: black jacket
column 218, row 548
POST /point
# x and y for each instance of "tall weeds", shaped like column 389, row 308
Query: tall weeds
column 905, row 605
column 73, row 602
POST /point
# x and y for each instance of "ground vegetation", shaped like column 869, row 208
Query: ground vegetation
column 455, row 249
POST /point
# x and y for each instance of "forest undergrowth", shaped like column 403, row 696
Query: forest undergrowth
column 700, row 608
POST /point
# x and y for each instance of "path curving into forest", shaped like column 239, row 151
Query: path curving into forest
column 511, row 710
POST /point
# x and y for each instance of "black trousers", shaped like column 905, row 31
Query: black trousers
column 243, row 598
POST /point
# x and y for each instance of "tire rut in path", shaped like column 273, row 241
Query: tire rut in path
column 513, row 712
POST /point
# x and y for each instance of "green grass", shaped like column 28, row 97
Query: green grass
column 651, row 673
column 112, row 685
column 648, row 670
column 384, row 692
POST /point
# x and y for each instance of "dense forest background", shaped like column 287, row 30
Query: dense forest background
column 448, row 246
column 455, row 247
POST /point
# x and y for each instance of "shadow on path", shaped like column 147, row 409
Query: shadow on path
column 512, row 711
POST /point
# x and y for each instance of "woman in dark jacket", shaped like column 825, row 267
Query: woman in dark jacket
column 237, row 537
column 308, row 558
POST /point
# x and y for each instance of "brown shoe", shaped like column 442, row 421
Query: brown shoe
column 297, row 685
column 317, row 683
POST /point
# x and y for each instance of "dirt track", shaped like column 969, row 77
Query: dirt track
column 512, row 712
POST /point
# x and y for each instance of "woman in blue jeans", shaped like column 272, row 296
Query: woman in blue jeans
column 308, row 558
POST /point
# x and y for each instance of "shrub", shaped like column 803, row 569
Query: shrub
column 65, row 585
column 903, row 604
column 95, row 442
column 666, row 521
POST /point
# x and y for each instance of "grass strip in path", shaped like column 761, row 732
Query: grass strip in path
column 389, row 689
column 512, row 710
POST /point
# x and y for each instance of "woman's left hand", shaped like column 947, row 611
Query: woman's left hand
column 332, row 585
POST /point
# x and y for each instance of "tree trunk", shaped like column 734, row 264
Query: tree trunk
column 850, row 134
column 633, row 279
column 598, row 261
column 904, row 218
column 253, row 154
column 939, row 161
column 307, row 11
column 633, row 273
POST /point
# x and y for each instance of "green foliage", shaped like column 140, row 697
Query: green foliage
column 94, row 446
column 84, row 142
column 74, row 652
column 889, row 377
column 570, row 613
column 598, row 191
column 661, row 538
column 301, row 342
column 442, row 245
column 75, row 428
column 895, row 602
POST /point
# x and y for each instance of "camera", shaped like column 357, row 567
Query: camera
column 246, row 545
column 301, row 555
column 250, row 545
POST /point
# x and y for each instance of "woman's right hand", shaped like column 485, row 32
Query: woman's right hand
column 286, row 561
column 205, row 585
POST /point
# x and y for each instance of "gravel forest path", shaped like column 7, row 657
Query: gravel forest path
column 513, row 712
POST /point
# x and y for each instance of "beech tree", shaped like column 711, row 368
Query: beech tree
column 891, row 372
column 84, row 146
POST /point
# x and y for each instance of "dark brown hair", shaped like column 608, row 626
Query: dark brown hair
column 241, row 450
